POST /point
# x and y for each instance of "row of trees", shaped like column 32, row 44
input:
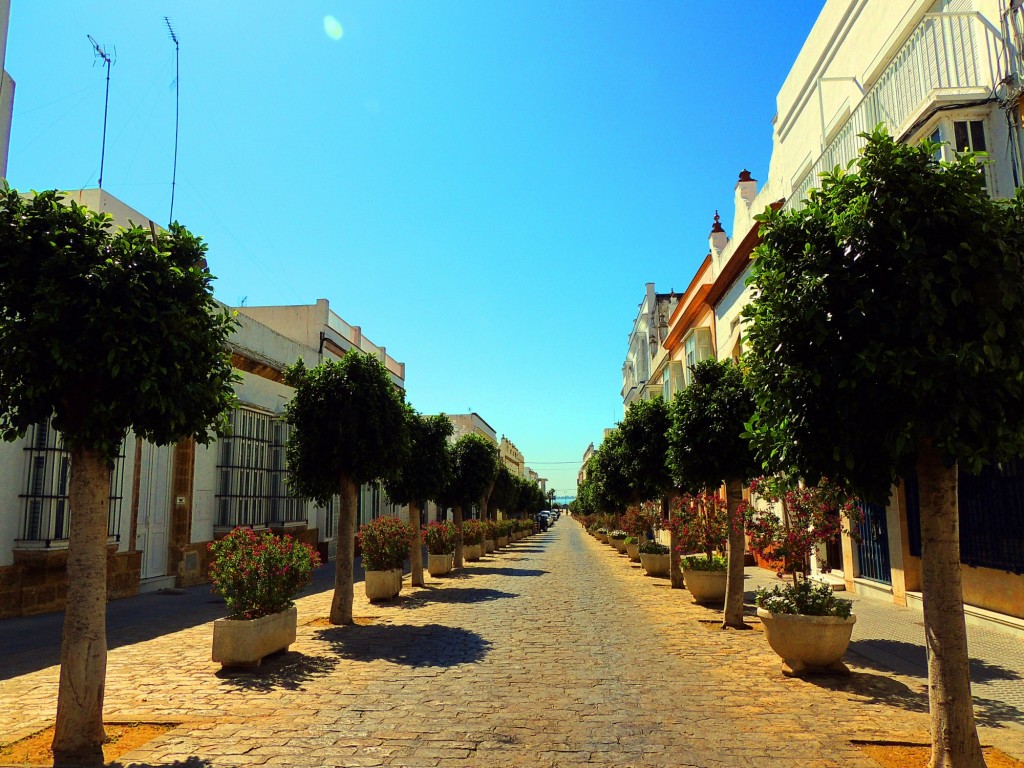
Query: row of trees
column 105, row 331
column 886, row 337
column 352, row 425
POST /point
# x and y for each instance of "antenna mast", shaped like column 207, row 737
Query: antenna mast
column 177, row 109
column 108, row 56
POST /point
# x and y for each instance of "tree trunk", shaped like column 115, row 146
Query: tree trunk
column 954, row 735
column 457, row 519
column 416, row 548
column 79, row 736
column 734, row 582
column 675, row 570
column 341, row 603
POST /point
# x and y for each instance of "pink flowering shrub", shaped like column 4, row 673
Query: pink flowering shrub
column 472, row 532
column 384, row 543
column 701, row 523
column 440, row 537
column 258, row 574
column 642, row 520
column 795, row 519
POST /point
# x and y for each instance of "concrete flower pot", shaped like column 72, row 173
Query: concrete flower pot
column 439, row 565
column 488, row 545
column 633, row 550
column 502, row 541
column 472, row 552
column 706, row 586
column 244, row 642
column 655, row 565
column 808, row 645
column 619, row 544
column 383, row 585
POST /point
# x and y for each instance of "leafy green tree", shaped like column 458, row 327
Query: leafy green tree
column 644, row 452
column 423, row 476
column 706, row 449
column 888, row 335
column 105, row 331
column 505, row 494
column 349, row 428
column 474, row 466
column 608, row 472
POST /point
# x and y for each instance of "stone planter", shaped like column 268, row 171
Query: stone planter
column 602, row 537
column 706, row 586
column 488, row 545
column 472, row 552
column 244, row 642
column 619, row 544
column 633, row 550
column 439, row 565
column 808, row 645
column 383, row 585
column 502, row 541
column 655, row 565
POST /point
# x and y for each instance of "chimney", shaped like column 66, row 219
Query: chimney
column 746, row 190
column 717, row 240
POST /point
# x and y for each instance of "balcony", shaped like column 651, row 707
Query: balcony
column 948, row 58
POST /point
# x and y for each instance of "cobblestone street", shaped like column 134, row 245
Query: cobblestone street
column 554, row 652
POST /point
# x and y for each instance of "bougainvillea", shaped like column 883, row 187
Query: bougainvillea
column 472, row 532
column 642, row 520
column 792, row 519
column 258, row 574
column 440, row 537
column 384, row 543
column 700, row 523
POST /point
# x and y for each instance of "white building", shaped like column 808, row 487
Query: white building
column 649, row 329
column 6, row 89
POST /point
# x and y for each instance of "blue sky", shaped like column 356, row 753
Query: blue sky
column 483, row 187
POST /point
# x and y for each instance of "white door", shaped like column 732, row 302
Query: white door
column 154, row 508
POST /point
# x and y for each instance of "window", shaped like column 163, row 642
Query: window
column 47, row 513
column 697, row 347
column 252, row 475
column 962, row 136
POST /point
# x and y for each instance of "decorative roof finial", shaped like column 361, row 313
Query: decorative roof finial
column 745, row 175
column 717, row 227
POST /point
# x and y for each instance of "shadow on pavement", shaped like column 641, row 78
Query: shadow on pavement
column 911, row 659
column 432, row 645
column 288, row 671
column 883, row 689
column 449, row 595
column 510, row 571
column 188, row 762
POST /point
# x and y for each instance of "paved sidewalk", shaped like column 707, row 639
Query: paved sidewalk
column 554, row 652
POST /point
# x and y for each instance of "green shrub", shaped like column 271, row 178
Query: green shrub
column 384, row 543
column 805, row 598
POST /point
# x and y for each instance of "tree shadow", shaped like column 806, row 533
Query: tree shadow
column 883, row 689
column 510, row 571
column 529, row 549
column 288, row 671
column 449, row 595
column 430, row 645
column 188, row 762
column 911, row 659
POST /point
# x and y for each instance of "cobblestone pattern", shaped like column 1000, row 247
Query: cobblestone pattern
column 555, row 652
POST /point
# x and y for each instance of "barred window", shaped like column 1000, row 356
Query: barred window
column 252, row 473
column 47, row 514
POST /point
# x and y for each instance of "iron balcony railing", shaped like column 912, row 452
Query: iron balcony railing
column 947, row 55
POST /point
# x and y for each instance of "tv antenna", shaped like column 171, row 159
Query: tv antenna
column 108, row 55
column 177, row 109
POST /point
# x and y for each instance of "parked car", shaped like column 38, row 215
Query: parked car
column 543, row 520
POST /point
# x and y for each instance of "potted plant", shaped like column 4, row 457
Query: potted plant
column 640, row 522
column 701, row 525
column 439, row 538
column 384, row 543
column 490, row 535
column 257, row 574
column 805, row 624
column 602, row 535
column 617, row 539
column 654, row 558
column 472, row 540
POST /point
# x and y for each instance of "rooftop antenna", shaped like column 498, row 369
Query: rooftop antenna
column 177, row 108
column 108, row 56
